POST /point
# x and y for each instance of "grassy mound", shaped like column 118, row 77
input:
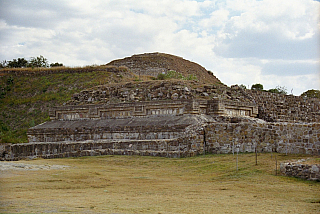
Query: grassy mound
column 25, row 99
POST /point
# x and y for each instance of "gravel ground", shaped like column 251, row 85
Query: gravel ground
column 23, row 166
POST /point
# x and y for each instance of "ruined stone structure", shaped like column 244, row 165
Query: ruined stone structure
column 300, row 170
column 285, row 108
column 173, row 128
column 173, row 118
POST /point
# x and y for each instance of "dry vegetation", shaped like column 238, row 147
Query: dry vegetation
column 131, row 184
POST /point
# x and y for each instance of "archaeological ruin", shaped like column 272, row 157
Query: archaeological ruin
column 173, row 118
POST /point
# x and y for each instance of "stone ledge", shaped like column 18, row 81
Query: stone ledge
column 173, row 148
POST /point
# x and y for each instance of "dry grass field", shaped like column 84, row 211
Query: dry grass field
column 132, row 184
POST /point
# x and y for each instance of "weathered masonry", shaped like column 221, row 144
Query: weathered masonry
column 300, row 170
column 168, row 136
column 182, row 137
column 161, row 107
column 170, row 128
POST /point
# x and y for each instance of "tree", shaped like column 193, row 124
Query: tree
column 38, row 62
column 20, row 63
column 278, row 90
column 257, row 86
column 243, row 86
column 57, row 64
column 311, row 93
column 4, row 64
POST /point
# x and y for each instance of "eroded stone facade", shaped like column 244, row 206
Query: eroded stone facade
column 154, row 108
column 183, row 137
column 168, row 128
column 288, row 138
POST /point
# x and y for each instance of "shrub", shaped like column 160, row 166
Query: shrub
column 257, row 86
column 311, row 93
column 278, row 90
column 192, row 77
column 171, row 74
column 57, row 64
column 161, row 76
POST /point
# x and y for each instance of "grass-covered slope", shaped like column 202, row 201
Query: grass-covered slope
column 26, row 95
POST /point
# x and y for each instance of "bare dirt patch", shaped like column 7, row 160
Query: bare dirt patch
column 4, row 166
column 130, row 184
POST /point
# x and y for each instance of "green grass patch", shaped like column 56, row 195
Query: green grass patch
column 25, row 100
column 171, row 74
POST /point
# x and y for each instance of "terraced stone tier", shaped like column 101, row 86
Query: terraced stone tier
column 138, row 128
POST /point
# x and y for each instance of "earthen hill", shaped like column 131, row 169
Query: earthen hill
column 175, row 117
column 155, row 63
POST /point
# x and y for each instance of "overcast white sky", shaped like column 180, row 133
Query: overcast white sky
column 272, row 42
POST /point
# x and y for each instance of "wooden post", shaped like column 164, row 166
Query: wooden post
column 276, row 165
column 237, row 160
column 237, row 150
column 204, row 141
column 256, row 156
column 233, row 147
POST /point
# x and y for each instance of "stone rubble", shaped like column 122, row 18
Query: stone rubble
column 272, row 107
column 303, row 171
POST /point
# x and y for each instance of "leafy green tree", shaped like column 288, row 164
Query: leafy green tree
column 57, row 64
column 38, row 62
column 278, row 90
column 17, row 63
column 22, row 62
column 257, row 86
column 311, row 93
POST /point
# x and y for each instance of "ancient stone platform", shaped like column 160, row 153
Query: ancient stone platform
column 172, row 118
column 173, row 129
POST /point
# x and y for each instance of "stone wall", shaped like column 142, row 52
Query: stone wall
column 174, row 148
column 187, row 141
column 303, row 171
column 271, row 107
column 266, row 137
column 285, row 108
column 74, row 131
column 135, row 128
